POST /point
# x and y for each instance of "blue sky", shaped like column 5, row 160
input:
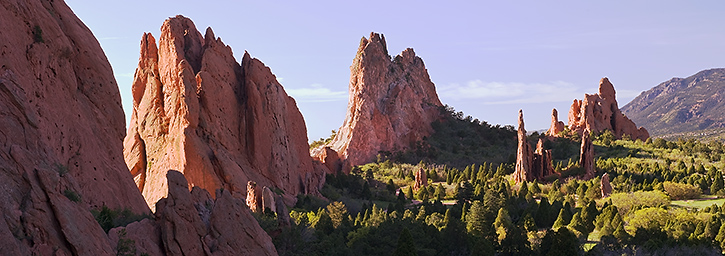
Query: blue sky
column 487, row 58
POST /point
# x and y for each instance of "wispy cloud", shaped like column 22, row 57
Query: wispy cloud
column 316, row 93
column 492, row 93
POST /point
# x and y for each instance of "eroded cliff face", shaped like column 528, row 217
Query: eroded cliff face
column 392, row 103
column 531, row 164
column 61, row 136
column 220, row 123
column 599, row 111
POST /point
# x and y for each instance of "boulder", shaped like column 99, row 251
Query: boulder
column 598, row 112
column 392, row 103
column 219, row 122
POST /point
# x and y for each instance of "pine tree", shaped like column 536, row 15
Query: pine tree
column 535, row 188
column 502, row 224
column 524, row 190
column 476, row 223
column 588, row 214
column 409, row 193
column 406, row 245
column 542, row 215
column 440, row 192
column 717, row 184
column 620, row 233
column 577, row 224
column 562, row 220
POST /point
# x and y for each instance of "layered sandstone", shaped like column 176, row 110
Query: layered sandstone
column 219, row 122
column 556, row 125
column 531, row 165
column 392, row 103
column 62, row 128
column 599, row 111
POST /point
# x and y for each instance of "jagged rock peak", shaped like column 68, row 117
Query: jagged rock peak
column 598, row 112
column 392, row 103
column 219, row 122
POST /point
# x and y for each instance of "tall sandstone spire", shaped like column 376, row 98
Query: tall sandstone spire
column 392, row 103
column 220, row 123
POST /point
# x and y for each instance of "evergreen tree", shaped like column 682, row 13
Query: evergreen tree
column 720, row 238
column 440, row 192
column 542, row 214
column 390, row 186
column 502, row 224
column 365, row 194
column 524, row 190
column 588, row 214
column 535, row 188
column 559, row 242
column 562, row 220
column 577, row 224
column 476, row 223
column 409, row 192
column 406, row 245
column 620, row 233
column 717, row 184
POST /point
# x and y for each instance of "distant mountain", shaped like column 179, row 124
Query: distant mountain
column 681, row 104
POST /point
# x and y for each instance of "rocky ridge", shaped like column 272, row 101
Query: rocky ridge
column 679, row 105
column 530, row 165
column 392, row 103
column 62, row 128
column 219, row 122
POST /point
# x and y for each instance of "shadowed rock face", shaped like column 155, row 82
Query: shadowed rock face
column 392, row 103
column 218, row 122
column 61, row 128
column 599, row 111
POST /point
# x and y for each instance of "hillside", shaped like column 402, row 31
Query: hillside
column 681, row 104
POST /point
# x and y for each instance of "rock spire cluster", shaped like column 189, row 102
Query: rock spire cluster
column 598, row 112
column 530, row 165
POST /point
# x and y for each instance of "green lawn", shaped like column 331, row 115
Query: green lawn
column 699, row 203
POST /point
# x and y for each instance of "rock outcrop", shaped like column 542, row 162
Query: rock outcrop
column 191, row 223
column 253, row 196
column 61, row 131
column 392, row 103
column 586, row 156
column 220, row 123
column 605, row 186
column 556, row 125
column 268, row 201
column 421, row 179
column 531, row 165
column 599, row 111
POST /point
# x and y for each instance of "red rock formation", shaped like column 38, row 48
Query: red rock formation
column 531, row 165
column 605, row 186
column 542, row 164
column 220, row 123
column 599, row 111
column 392, row 103
column 586, row 156
column 268, row 200
column 421, row 179
column 61, row 125
column 228, row 229
column 327, row 157
column 253, row 196
column 524, row 154
column 556, row 125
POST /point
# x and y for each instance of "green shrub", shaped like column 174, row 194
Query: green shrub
column 110, row 218
column 38, row 34
column 679, row 191
column 627, row 201
column 72, row 195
